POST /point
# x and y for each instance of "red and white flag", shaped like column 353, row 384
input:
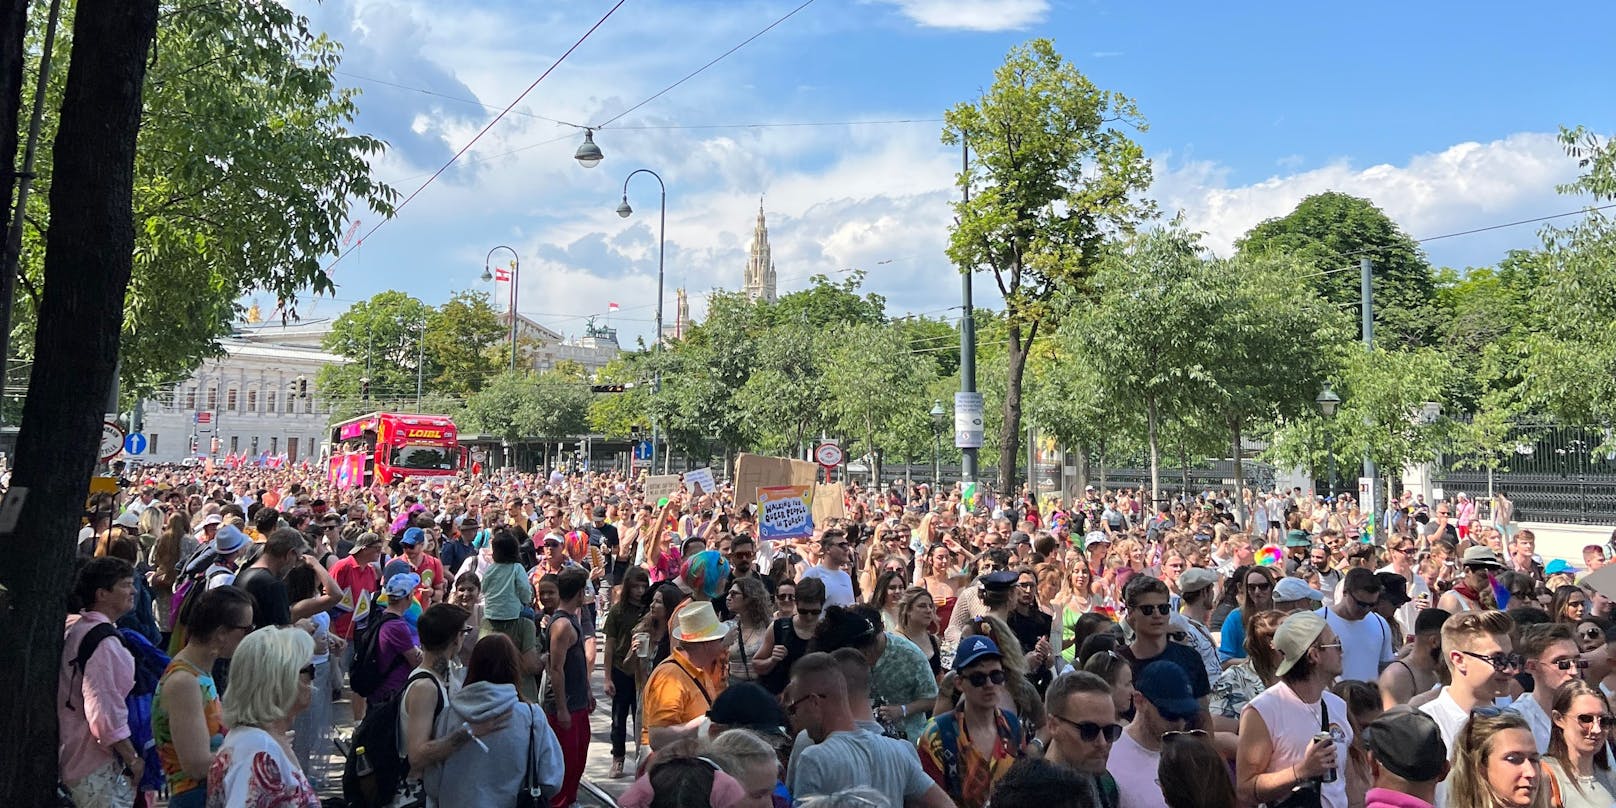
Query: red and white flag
column 502, row 274
column 610, row 307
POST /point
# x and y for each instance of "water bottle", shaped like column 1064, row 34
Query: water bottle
column 362, row 765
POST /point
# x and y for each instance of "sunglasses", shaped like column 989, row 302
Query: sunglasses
column 1569, row 663
column 1605, row 721
column 1199, row 734
column 1503, row 663
column 1592, row 633
column 792, row 598
column 810, row 612
column 791, row 708
column 1148, row 609
column 980, row 679
column 1260, row 587
column 1088, row 730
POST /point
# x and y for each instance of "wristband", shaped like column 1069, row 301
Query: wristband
column 905, row 709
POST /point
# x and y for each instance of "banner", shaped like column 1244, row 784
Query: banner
column 700, row 481
column 659, row 486
column 785, row 512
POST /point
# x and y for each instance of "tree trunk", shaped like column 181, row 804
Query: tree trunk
column 88, row 260
column 1240, row 514
column 1155, row 451
column 1010, row 432
column 1102, row 467
column 13, row 26
column 1184, row 470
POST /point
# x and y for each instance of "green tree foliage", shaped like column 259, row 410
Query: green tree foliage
column 783, row 399
column 877, row 389
column 242, row 117
column 463, row 336
column 619, row 415
column 382, row 339
column 825, row 304
column 1053, row 175
column 1332, row 231
column 522, row 405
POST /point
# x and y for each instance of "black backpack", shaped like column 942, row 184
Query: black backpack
column 366, row 673
column 375, row 764
column 149, row 661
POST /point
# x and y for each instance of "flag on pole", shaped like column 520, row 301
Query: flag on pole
column 611, row 307
column 502, row 274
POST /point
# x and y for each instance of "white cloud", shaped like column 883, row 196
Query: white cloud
column 974, row 15
column 1464, row 186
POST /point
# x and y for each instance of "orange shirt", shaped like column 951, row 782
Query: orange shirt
column 673, row 695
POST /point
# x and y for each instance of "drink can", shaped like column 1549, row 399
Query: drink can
column 1322, row 737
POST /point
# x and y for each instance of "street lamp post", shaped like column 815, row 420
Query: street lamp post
column 937, row 416
column 1328, row 401
column 625, row 211
column 516, row 264
column 420, row 362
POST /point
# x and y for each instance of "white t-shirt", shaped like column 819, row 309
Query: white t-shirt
column 1292, row 723
column 1536, row 719
column 1365, row 644
column 1410, row 611
column 1450, row 719
column 838, row 585
column 1134, row 769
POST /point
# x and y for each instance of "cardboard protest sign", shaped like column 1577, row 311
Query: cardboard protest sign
column 785, row 512
column 700, row 481
column 1602, row 580
column 753, row 472
column 659, row 486
column 828, row 502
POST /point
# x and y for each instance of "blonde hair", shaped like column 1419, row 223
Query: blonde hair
column 1463, row 629
column 737, row 750
column 1467, row 785
column 264, row 675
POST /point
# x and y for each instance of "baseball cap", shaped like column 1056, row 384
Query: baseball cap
column 212, row 519
column 1294, row 637
column 973, row 649
column 1167, row 687
column 402, row 584
column 1558, row 566
column 127, row 519
column 365, row 540
column 553, row 538
column 1289, row 589
column 412, row 537
column 1095, row 537
column 1408, row 743
column 1195, row 579
column 600, row 512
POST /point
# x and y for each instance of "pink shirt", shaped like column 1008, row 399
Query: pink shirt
column 98, row 717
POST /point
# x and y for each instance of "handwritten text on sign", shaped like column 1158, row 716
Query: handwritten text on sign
column 785, row 512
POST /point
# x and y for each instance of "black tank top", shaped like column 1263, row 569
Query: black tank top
column 796, row 647
column 574, row 668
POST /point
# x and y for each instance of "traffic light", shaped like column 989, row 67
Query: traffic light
column 302, row 387
column 194, row 444
column 607, row 388
column 364, row 388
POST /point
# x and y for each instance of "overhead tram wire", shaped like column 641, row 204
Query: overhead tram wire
column 484, row 130
column 720, row 57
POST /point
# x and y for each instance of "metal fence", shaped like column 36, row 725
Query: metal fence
column 1552, row 472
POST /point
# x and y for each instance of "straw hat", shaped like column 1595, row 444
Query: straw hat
column 697, row 622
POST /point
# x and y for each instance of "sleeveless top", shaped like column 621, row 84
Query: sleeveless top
column 1292, row 723
column 574, row 668
column 744, row 644
column 163, row 734
column 775, row 680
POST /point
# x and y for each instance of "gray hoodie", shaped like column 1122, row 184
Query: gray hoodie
column 472, row 776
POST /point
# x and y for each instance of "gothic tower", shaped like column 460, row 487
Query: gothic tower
column 758, row 279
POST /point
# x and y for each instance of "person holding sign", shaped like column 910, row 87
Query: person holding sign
column 834, row 553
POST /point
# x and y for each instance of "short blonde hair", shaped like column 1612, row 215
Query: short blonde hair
column 263, row 675
column 1461, row 631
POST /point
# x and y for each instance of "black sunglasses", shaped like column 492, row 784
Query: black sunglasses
column 1148, row 609
column 980, row 679
column 1605, row 721
column 1088, row 730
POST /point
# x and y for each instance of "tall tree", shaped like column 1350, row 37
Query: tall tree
column 873, row 379
column 1053, row 175
column 1333, row 231
column 88, row 262
column 383, row 341
column 462, row 339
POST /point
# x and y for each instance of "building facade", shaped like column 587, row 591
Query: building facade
column 542, row 348
column 258, row 399
column 758, row 279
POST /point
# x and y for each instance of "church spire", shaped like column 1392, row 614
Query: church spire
column 758, row 278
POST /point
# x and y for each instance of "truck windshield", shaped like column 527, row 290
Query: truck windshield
column 417, row 456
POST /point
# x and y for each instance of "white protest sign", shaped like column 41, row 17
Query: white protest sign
column 700, row 481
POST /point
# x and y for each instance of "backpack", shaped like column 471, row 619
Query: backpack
column 150, row 663
column 187, row 591
column 376, row 764
column 366, row 674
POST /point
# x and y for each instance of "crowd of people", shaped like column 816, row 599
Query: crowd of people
column 1216, row 650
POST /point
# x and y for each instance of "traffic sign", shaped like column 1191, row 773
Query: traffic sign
column 135, row 444
column 111, row 440
column 642, row 450
column 828, row 454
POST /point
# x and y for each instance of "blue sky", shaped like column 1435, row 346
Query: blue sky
column 1441, row 113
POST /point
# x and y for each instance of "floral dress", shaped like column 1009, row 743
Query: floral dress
column 253, row 770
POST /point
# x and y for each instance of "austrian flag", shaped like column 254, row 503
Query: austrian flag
column 611, row 307
column 502, row 274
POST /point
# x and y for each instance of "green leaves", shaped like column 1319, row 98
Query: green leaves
column 519, row 404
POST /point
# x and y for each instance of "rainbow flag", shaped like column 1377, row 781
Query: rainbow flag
column 1270, row 556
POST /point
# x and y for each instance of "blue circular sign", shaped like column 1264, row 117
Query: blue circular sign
column 134, row 444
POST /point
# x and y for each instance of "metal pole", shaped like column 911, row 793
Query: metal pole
column 25, row 179
column 1366, row 294
column 936, row 459
column 968, row 457
column 420, row 361
column 516, row 270
column 662, row 252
